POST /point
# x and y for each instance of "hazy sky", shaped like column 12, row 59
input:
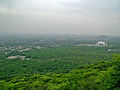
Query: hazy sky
column 60, row 16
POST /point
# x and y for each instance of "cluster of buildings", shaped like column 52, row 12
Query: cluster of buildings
column 18, row 57
column 114, row 50
column 10, row 51
column 14, row 48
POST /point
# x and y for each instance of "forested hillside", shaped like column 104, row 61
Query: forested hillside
column 99, row 76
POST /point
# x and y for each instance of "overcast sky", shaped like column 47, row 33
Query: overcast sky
column 60, row 16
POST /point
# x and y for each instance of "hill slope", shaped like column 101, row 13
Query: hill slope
column 99, row 76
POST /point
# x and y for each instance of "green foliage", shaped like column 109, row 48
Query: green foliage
column 50, row 69
column 53, row 60
column 116, row 57
column 99, row 76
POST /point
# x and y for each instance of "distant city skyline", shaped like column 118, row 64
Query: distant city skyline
column 87, row 17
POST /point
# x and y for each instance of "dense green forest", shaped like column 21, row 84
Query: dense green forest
column 53, row 60
column 102, row 75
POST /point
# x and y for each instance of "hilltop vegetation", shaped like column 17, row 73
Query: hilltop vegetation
column 99, row 76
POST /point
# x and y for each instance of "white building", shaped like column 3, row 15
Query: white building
column 101, row 43
column 18, row 57
column 12, row 57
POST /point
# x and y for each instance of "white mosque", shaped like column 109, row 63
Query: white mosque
column 101, row 43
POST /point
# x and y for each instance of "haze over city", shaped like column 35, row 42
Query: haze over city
column 60, row 17
column 59, row 44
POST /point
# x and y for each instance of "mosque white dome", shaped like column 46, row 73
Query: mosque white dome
column 101, row 43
